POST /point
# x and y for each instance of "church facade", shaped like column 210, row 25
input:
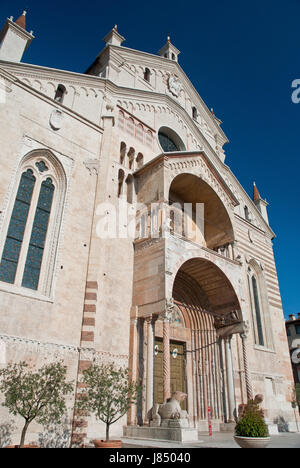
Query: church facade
column 125, row 237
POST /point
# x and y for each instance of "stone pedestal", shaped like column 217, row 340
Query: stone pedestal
column 182, row 423
column 175, row 434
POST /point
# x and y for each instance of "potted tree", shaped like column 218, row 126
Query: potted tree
column 251, row 430
column 35, row 395
column 108, row 393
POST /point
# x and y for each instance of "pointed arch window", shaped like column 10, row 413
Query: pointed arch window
column 33, row 225
column 60, row 93
column 38, row 235
column 16, row 229
column 147, row 75
column 256, row 308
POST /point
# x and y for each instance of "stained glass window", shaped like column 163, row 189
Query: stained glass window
column 167, row 143
column 14, row 239
column 38, row 236
column 41, row 166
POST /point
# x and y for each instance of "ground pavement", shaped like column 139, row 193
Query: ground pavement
column 217, row 440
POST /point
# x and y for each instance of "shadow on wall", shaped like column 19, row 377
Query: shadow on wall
column 6, row 430
column 56, row 436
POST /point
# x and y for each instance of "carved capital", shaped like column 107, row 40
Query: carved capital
column 168, row 314
column 92, row 166
column 246, row 329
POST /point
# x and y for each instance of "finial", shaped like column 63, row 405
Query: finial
column 21, row 21
column 116, row 27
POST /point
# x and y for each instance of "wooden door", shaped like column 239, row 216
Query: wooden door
column 177, row 364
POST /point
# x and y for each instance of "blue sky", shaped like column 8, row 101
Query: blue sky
column 241, row 57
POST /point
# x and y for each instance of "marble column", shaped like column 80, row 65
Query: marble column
column 230, row 379
column 150, row 363
column 166, row 359
column 249, row 390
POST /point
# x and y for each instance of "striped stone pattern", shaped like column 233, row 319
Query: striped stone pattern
column 262, row 250
column 80, row 423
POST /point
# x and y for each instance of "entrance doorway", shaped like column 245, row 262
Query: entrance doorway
column 177, row 361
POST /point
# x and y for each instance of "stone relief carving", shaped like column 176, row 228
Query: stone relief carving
column 168, row 313
column 174, row 85
column 56, row 119
column 225, row 320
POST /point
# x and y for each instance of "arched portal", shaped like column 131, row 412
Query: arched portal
column 205, row 312
column 208, row 303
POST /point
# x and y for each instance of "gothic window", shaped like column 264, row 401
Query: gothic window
column 38, row 235
column 139, row 160
column 256, row 307
column 16, row 229
column 247, row 214
column 195, row 113
column 147, row 75
column 130, row 156
column 33, row 224
column 60, row 93
column 121, row 176
column 122, row 152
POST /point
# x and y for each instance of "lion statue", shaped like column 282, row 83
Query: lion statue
column 170, row 410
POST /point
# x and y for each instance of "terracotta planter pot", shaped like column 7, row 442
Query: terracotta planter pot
column 109, row 444
column 252, row 442
column 25, row 446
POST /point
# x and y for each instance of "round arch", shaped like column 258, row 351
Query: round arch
column 169, row 140
column 207, row 301
column 218, row 225
column 201, row 285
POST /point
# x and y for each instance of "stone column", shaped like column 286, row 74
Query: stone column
column 167, row 318
column 150, row 363
column 230, row 380
column 166, row 359
column 244, row 336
